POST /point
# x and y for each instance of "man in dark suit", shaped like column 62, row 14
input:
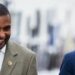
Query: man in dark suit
column 14, row 60
column 68, row 64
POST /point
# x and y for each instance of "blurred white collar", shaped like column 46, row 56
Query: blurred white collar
column 3, row 49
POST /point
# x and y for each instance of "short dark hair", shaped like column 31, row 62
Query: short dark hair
column 3, row 10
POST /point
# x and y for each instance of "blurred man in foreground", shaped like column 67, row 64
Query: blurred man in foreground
column 14, row 60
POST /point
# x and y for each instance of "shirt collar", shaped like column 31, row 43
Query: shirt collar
column 3, row 49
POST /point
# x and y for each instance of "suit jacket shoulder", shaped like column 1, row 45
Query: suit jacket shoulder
column 70, row 56
column 23, row 51
column 68, row 64
column 24, row 59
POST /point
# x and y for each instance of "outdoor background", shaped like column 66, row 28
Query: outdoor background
column 45, row 26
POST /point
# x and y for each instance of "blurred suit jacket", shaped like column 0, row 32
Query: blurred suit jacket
column 68, row 64
column 18, row 61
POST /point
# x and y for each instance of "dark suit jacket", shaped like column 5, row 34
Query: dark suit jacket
column 68, row 64
column 18, row 61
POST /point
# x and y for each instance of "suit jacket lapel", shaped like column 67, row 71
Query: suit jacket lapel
column 9, row 61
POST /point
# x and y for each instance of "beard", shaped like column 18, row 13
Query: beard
column 3, row 41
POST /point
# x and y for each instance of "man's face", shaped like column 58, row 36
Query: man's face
column 5, row 27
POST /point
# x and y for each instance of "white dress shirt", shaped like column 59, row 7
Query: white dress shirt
column 2, row 53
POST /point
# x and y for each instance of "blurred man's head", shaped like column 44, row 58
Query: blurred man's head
column 5, row 25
